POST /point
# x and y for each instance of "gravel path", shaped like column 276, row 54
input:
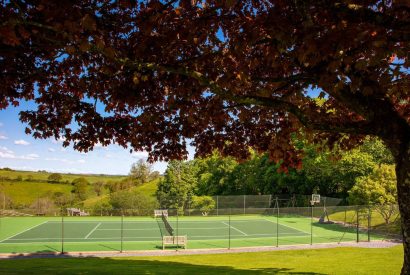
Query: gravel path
column 373, row 244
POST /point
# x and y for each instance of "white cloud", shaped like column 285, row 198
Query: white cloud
column 63, row 149
column 3, row 137
column 67, row 161
column 100, row 146
column 6, row 153
column 51, row 149
column 32, row 156
column 140, row 154
column 59, row 140
column 21, row 142
column 5, row 149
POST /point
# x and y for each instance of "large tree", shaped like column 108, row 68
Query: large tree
column 223, row 74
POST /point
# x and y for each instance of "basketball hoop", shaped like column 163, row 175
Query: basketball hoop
column 315, row 199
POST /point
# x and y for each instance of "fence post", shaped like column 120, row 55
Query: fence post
column 345, row 217
column 62, row 232
column 122, row 230
column 177, row 231
column 277, row 225
column 311, row 224
column 369, row 223
column 357, row 224
column 244, row 204
column 217, row 205
column 229, row 229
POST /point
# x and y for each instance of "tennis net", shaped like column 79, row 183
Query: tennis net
column 164, row 226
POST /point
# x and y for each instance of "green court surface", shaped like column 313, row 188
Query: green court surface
column 52, row 234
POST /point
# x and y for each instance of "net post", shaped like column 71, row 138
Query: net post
column 122, row 230
column 357, row 224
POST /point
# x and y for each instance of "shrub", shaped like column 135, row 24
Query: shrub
column 138, row 203
column 54, row 178
column 80, row 186
column 204, row 203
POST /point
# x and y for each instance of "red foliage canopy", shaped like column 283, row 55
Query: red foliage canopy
column 150, row 75
column 224, row 74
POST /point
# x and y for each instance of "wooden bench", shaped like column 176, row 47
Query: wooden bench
column 174, row 241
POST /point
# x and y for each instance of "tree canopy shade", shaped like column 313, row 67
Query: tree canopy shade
column 225, row 74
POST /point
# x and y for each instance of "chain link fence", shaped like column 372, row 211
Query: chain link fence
column 73, row 229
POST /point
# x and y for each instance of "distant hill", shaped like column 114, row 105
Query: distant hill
column 25, row 187
column 148, row 188
column 43, row 175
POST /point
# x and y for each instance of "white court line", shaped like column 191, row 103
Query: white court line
column 93, row 221
column 125, row 229
column 92, row 231
column 236, row 229
column 150, row 229
column 23, row 231
column 288, row 227
column 154, row 238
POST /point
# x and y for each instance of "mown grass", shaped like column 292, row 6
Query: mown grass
column 315, row 261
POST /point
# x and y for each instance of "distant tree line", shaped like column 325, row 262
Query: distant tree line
column 331, row 173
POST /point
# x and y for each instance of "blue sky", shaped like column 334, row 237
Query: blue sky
column 22, row 152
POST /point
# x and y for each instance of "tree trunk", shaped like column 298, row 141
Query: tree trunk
column 403, row 190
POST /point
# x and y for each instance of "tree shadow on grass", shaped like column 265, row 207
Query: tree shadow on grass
column 65, row 264
column 121, row 266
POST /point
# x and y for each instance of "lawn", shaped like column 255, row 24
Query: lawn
column 315, row 261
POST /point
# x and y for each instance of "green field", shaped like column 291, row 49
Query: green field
column 43, row 176
column 33, row 185
column 384, row 261
column 44, row 234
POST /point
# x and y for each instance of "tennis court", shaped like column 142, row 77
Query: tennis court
column 54, row 234
column 94, row 230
